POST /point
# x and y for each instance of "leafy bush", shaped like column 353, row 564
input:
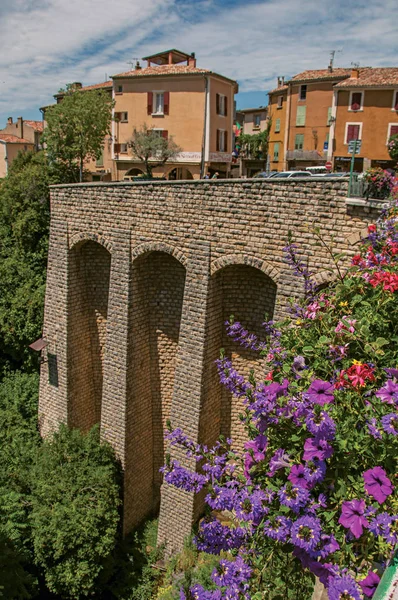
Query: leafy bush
column 380, row 183
column 75, row 501
column 393, row 147
column 313, row 492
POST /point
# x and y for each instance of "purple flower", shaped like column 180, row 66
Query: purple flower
column 294, row 497
column 278, row 528
column 343, row 587
column 197, row 592
column 221, row 498
column 314, row 471
column 352, row 516
column 390, row 423
column 214, row 537
column 329, row 544
column 321, row 425
column 296, row 476
column 229, row 573
column 306, row 532
column 317, row 448
column 381, row 525
column 392, row 373
column 373, row 429
column 389, row 392
column 183, row 478
column 279, row 460
column 377, row 484
column 369, row 584
column 320, row 392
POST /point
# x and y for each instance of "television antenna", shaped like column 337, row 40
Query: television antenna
column 131, row 62
column 332, row 57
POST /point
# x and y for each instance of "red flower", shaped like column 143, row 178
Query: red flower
column 371, row 228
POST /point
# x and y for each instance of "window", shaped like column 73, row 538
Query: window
column 100, row 160
column 299, row 141
column 276, row 152
column 158, row 103
column 222, row 137
column 257, row 120
column 161, row 133
column 300, row 117
column 124, row 117
column 353, row 131
column 277, row 125
column 303, row 92
column 221, row 105
column 280, row 101
column 119, row 89
column 329, row 116
column 123, row 148
column 356, row 101
column 392, row 130
column 395, row 101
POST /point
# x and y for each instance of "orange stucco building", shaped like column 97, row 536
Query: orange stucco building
column 277, row 133
column 365, row 107
column 176, row 98
column 18, row 136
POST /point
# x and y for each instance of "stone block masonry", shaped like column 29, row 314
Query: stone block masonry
column 141, row 277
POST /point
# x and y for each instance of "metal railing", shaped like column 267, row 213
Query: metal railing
column 359, row 188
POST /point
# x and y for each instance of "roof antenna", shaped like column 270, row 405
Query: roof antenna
column 332, row 57
column 131, row 63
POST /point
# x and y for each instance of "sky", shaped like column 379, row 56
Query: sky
column 48, row 43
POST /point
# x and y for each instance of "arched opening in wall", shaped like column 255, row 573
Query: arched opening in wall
column 157, row 292
column 179, row 173
column 88, row 291
column 249, row 295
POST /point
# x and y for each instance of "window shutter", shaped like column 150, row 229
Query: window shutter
column 329, row 114
column 218, row 104
column 394, row 130
column 116, row 148
column 352, row 132
column 277, row 125
column 166, row 102
column 218, row 140
column 356, row 101
column 165, row 134
column 150, row 103
column 225, row 106
column 300, row 117
column 225, row 141
column 276, row 151
column 117, row 116
column 396, row 101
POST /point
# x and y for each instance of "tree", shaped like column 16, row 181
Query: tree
column 255, row 145
column 152, row 149
column 76, row 129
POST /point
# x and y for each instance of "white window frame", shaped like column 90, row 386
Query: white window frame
column 389, row 130
column 306, row 91
column 221, row 137
column 124, row 148
column 156, row 94
column 346, row 132
column 122, row 119
column 280, row 101
column 257, row 117
column 360, row 109
column 394, row 100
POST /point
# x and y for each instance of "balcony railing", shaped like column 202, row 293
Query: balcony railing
column 312, row 155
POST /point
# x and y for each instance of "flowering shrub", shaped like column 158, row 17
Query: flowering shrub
column 380, row 183
column 393, row 147
column 314, row 492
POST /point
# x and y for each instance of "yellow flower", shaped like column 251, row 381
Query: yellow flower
column 298, row 322
column 357, row 362
column 343, row 303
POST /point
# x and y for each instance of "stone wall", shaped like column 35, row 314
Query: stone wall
column 141, row 277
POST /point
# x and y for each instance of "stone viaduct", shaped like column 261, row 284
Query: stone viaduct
column 141, row 277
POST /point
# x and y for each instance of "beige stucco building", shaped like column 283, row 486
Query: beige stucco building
column 18, row 136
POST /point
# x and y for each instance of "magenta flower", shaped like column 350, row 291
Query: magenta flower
column 317, row 448
column 296, row 476
column 377, row 484
column 320, row 392
column 389, row 392
column 370, row 583
column 352, row 516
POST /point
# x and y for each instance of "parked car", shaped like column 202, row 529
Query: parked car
column 293, row 174
column 265, row 175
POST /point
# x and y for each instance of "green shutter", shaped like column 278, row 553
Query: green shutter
column 300, row 117
column 329, row 114
column 299, row 141
column 100, row 160
column 277, row 125
column 276, row 151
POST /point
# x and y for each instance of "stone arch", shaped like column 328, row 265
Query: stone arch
column 134, row 172
column 179, row 173
column 89, row 268
column 84, row 236
column 241, row 286
column 159, row 247
column 245, row 259
column 155, row 311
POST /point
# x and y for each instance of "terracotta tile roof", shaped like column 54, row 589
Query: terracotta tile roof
column 36, row 125
column 13, row 139
column 282, row 88
column 163, row 70
column 97, row 86
column 372, row 77
column 321, row 74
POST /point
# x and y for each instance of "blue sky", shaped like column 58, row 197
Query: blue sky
column 48, row 43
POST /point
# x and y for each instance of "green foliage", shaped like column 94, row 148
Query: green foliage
column 152, row 149
column 75, row 501
column 393, row 147
column 24, row 224
column 76, row 128
column 254, row 145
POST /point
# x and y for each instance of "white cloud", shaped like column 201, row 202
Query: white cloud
column 47, row 43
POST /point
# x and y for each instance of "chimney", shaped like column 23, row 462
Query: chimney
column 9, row 121
column 354, row 73
column 76, row 85
column 192, row 60
column 20, row 126
column 138, row 66
column 281, row 81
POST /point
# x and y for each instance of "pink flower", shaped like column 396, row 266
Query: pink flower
column 352, row 516
column 377, row 484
